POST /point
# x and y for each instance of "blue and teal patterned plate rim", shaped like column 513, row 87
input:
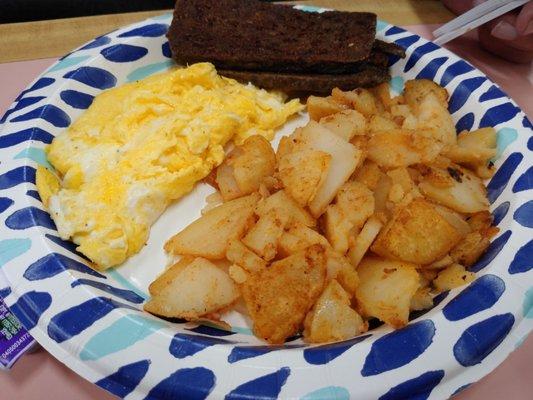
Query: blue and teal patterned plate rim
column 93, row 322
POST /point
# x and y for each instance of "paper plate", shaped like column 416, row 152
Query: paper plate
column 94, row 323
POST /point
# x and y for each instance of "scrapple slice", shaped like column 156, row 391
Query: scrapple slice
column 255, row 35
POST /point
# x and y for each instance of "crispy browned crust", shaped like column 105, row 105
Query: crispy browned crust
column 254, row 35
column 311, row 83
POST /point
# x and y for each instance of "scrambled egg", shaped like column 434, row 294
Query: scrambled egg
column 142, row 145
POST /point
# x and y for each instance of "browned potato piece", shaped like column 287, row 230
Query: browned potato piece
column 401, row 148
column 416, row 233
column 359, row 99
column 285, row 146
column 264, row 235
column 480, row 221
column 279, row 297
column 356, row 201
column 483, row 137
column 385, row 289
column 340, row 269
column 440, row 264
column 468, row 251
column 468, row 156
column 197, row 289
column 382, row 94
column 454, row 219
column 239, row 254
column 303, row 172
column 298, row 237
column 289, row 244
column 337, row 228
column 364, row 239
column 400, row 176
column 332, row 318
column 380, row 123
column 354, row 204
column 345, row 124
column 453, row 276
column 417, row 89
column 283, row 201
column 169, row 275
column 226, row 183
column 245, row 167
column 319, row 107
column 208, row 236
column 369, row 174
column 474, row 150
column 344, row 160
column 238, row 274
column 454, row 187
column 256, row 161
column 310, row 236
column 429, row 103
column 422, row 299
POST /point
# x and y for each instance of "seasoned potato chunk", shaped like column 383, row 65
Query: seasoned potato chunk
column 332, row 318
column 430, row 106
column 356, row 201
column 345, row 124
column 279, row 297
column 285, row 202
column 226, row 183
column 454, row 187
column 319, row 107
column 337, row 228
column 245, row 167
column 264, row 235
column 239, row 254
column 421, row 300
column 344, row 159
column 364, row 239
column 451, row 277
column 359, row 99
column 401, row 148
column 196, row 289
column 208, row 236
column 354, row 204
column 256, row 161
column 303, row 172
column 468, row 251
column 169, row 275
column 416, row 233
column 386, row 288
column 369, row 174
column 298, row 237
column 340, row 269
column 380, row 123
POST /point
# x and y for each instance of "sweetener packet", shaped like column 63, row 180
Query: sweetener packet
column 14, row 339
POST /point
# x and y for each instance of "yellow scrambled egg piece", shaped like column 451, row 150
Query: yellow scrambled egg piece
column 142, row 145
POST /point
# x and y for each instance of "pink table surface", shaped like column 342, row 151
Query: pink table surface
column 40, row 374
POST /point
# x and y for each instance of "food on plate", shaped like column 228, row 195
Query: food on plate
column 208, row 236
column 302, row 52
column 385, row 289
column 144, row 144
column 196, row 289
column 279, row 297
column 296, row 83
column 368, row 211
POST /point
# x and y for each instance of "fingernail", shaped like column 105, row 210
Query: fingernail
column 504, row 30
